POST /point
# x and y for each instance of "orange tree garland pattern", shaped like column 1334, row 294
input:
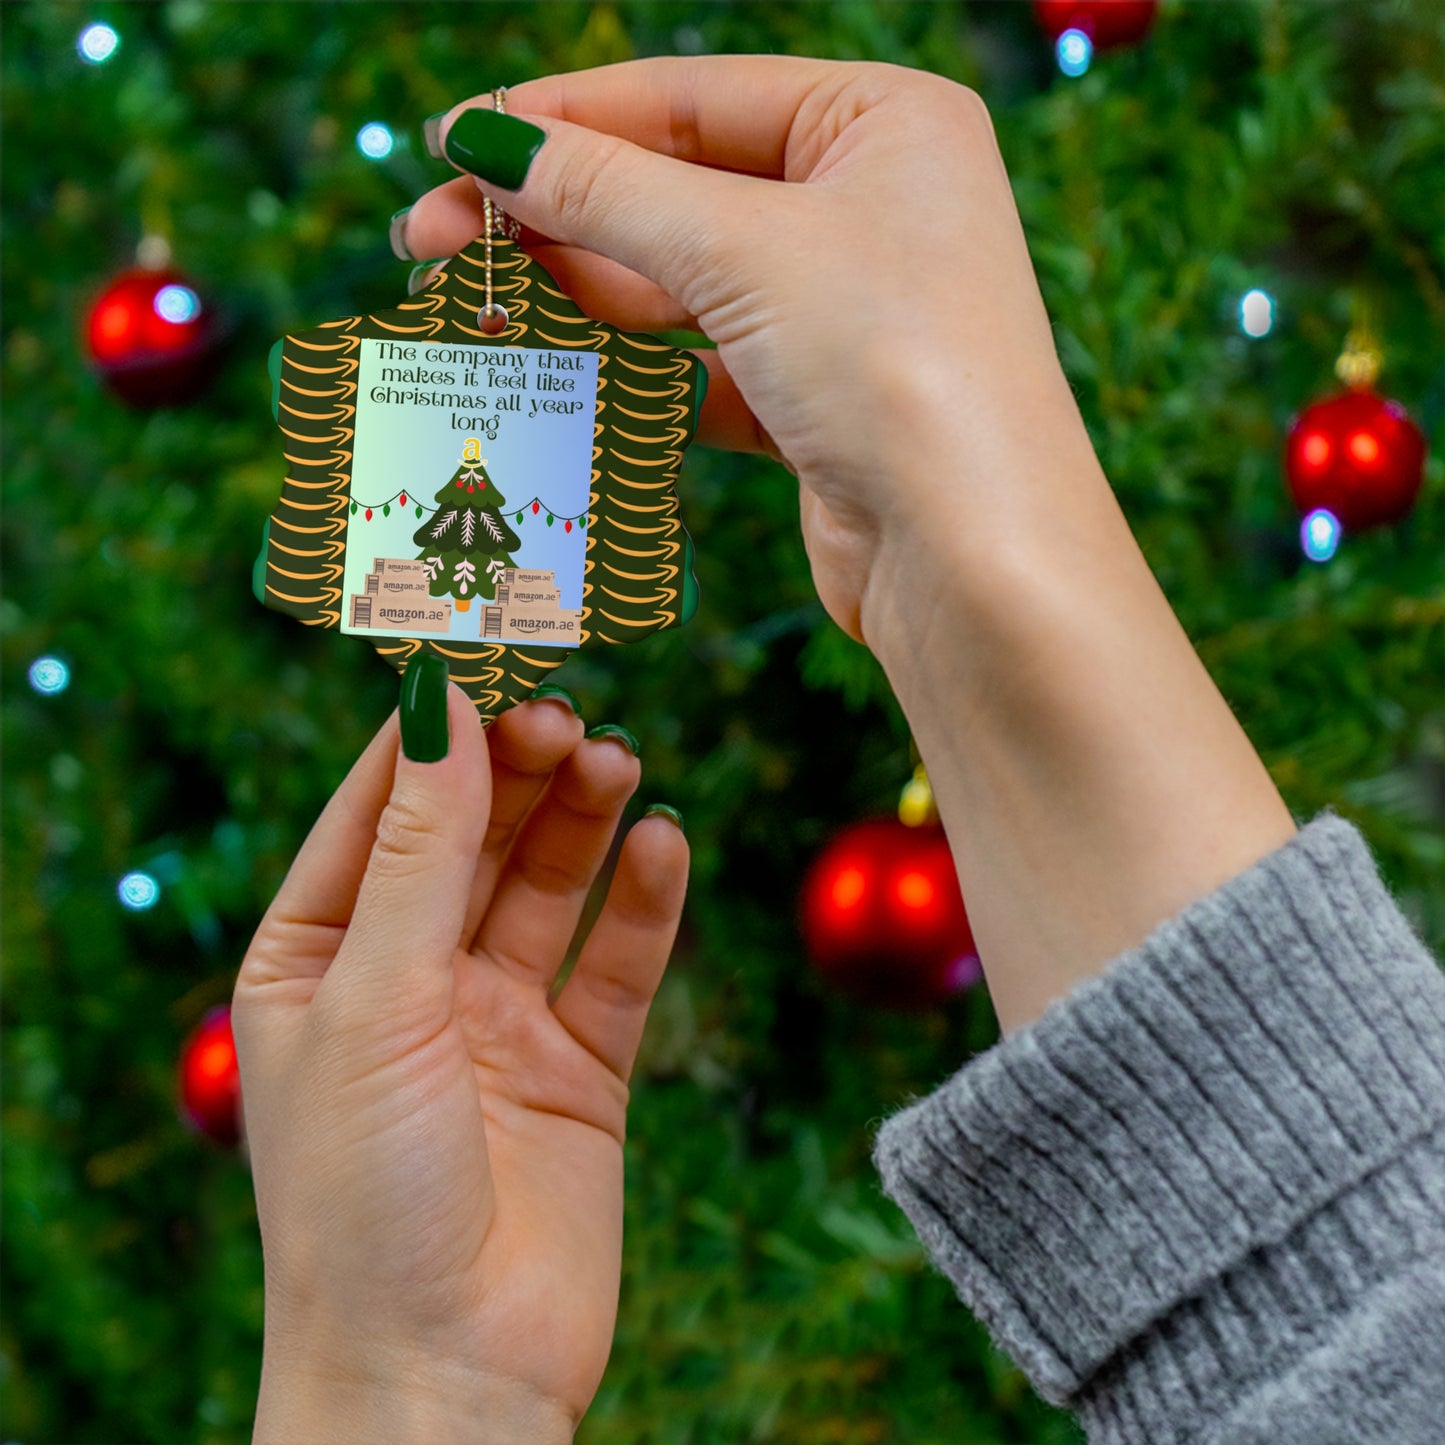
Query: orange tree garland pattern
column 637, row 577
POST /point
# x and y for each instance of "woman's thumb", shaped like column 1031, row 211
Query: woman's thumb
column 409, row 911
column 658, row 216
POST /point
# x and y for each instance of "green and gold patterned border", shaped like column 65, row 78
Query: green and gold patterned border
column 637, row 576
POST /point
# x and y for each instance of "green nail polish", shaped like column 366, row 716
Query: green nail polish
column 273, row 368
column 550, row 689
column 614, row 730
column 417, row 277
column 258, row 567
column 396, row 233
column 699, row 393
column 498, row 148
column 431, row 134
column 664, row 811
column 424, row 734
column 689, row 580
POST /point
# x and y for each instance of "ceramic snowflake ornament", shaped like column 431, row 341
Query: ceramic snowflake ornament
column 484, row 473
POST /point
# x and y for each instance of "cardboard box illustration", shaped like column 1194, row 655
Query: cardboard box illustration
column 393, row 586
column 521, row 577
column 434, row 614
column 395, row 578
column 522, row 595
column 558, row 626
column 400, row 566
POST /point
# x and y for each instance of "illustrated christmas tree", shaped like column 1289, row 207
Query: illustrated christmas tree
column 467, row 543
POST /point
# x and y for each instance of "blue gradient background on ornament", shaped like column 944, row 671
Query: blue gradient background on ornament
column 411, row 448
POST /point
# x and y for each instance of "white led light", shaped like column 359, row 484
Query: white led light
column 375, row 141
column 177, row 304
column 138, row 891
column 1256, row 313
column 97, row 43
column 1319, row 535
column 1074, row 52
column 49, row 675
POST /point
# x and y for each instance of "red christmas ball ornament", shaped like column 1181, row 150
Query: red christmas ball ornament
column 883, row 918
column 151, row 338
column 1357, row 455
column 210, row 1081
column 1107, row 23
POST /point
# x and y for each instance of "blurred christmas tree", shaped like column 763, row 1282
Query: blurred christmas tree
column 160, row 727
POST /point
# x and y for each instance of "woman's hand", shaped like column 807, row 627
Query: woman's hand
column 437, row 1149
column 877, row 320
column 847, row 235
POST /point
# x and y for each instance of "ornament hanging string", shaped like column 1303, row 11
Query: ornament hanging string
column 1359, row 363
column 493, row 319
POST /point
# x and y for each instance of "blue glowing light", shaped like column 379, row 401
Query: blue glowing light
column 1319, row 535
column 1256, row 313
column 177, row 304
column 375, row 140
column 49, row 675
column 1074, row 52
column 97, row 43
column 138, row 891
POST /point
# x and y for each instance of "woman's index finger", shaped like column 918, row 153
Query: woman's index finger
column 733, row 112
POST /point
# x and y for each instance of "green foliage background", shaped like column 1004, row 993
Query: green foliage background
column 771, row 1293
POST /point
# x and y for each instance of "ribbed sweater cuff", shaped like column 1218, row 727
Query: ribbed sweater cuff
column 1215, row 1100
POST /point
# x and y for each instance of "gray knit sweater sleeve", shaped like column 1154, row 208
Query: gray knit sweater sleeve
column 1202, row 1199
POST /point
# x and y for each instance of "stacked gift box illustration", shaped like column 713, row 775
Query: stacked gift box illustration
column 466, row 555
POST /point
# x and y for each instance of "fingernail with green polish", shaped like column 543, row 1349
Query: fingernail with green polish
column 664, row 811
column 699, row 393
column 614, row 730
column 431, row 134
column 424, row 734
column 498, row 148
column 550, row 689
column 396, row 231
column 258, row 567
column 417, row 278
